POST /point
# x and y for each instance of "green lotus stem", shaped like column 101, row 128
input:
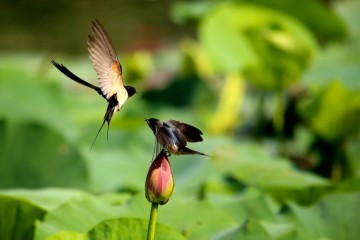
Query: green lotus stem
column 152, row 221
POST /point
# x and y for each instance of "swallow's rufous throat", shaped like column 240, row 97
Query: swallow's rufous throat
column 173, row 135
column 108, row 70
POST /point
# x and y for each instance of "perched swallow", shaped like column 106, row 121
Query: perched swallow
column 173, row 135
column 108, row 70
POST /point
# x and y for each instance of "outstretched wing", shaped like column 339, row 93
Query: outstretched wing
column 105, row 61
column 72, row 76
column 191, row 133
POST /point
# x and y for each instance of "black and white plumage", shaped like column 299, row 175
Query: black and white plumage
column 108, row 70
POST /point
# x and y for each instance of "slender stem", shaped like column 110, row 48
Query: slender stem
column 152, row 221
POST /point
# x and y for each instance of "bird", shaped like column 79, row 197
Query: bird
column 108, row 70
column 173, row 136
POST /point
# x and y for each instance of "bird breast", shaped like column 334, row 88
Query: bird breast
column 121, row 96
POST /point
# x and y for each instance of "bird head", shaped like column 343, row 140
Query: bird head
column 153, row 123
column 130, row 90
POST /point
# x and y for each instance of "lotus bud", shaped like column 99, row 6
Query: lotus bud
column 159, row 183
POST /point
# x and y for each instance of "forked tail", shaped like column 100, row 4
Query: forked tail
column 98, row 134
column 107, row 118
column 185, row 150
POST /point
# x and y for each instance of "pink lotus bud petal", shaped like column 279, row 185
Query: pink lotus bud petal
column 159, row 180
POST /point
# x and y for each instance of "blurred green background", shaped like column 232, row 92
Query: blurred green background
column 273, row 85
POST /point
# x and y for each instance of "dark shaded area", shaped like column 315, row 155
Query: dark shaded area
column 183, row 91
column 132, row 25
column 20, row 217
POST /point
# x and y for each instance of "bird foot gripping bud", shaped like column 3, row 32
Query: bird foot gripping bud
column 159, row 183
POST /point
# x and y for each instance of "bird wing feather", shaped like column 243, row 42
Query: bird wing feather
column 105, row 62
column 191, row 133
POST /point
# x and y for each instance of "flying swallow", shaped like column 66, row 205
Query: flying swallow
column 173, row 135
column 108, row 70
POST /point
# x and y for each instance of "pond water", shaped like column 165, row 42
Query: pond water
column 63, row 26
